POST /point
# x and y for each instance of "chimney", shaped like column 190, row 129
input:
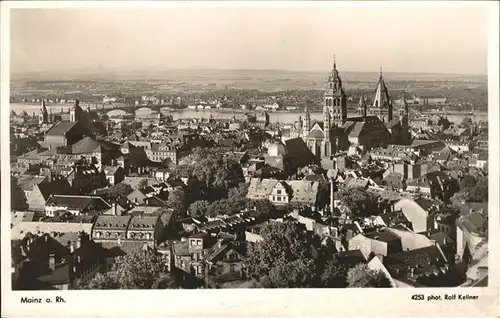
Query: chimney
column 46, row 238
column 78, row 242
column 71, row 248
column 113, row 207
column 52, row 262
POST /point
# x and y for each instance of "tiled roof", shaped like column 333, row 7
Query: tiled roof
column 182, row 248
column 20, row 230
column 143, row 222
column 423, row 260
column 112, row 222
column 304, row 191
column 356, row 131
column 473, row 222
column 17, row 217
column 90, row 145
column 57, row 187
column 26, row 182
column 383, row 235
column 260, row 189
column 298, row 152
column 78, row 202
column 61, row 128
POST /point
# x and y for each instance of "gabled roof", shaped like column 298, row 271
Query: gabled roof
column 90, row 145
column 112, row 222
column 78, row 202
column 20, row 230
column 61, row 128
column 26, row 182
column 143, row 222
column 55, row 187
column 299, row 153
column 357, row 129
column 393, row 122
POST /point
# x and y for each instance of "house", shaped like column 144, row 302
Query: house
column 114, row 174
column 55, row 229
column 472, row 229
column 298, row 192
column 147, row 229
column 74, row 204
column 225, row 262
column 420, row 218
column 42, row 191
column 27, row 183
column 424, row 267
column 477, row 273
column 110, row 228
column 411, row 241
column 380, row 242
column 64, row 133
column 50, row 264
column 138, row 196
column 84, row 179
column 21, row 216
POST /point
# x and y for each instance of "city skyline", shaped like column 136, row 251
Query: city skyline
column 231, row 38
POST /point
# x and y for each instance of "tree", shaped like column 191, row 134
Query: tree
column 215, row 173
column 361, row 276
column 467, row 121
column 468, row 182
column 99, row 281
column 284, row 255
column 137, row 270
column 359, row 201
column 118, row 190
column 263, row 207
column 198, row 208
column 394, row 180
column 295, row 274
column 142, row 184
column 480, row 191
column 18, row 199
column 178, row 200
column 334, row 275
column 166, row 281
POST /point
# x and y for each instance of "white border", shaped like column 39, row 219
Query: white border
column 256, row 302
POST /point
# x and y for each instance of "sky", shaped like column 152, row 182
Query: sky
column 401, row 39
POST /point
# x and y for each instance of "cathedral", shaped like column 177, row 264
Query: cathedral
column 373, row 127
column 44, row 117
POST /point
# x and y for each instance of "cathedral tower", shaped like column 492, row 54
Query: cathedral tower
column 335, row 104
column 382, row 103
column 362, row 111
column 43, row 117
column 306, row 122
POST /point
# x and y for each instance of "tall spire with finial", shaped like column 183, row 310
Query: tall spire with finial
column 334, row 62
column 380, row 71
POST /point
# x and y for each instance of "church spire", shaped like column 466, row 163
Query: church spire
column 334, row 62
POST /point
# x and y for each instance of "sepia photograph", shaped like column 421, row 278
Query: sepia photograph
column 227, row 147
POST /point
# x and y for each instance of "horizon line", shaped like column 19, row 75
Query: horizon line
column 96, row 71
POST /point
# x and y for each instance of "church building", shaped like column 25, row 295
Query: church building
column 337, row 132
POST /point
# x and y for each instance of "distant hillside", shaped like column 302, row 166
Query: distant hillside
column 238, row 75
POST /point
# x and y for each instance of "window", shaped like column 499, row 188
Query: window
column 278, row 191
column 232, row 268
column 279, row 198
column 198, row 242
column 193, row 242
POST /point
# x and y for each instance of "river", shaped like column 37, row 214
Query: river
column 282, row 117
